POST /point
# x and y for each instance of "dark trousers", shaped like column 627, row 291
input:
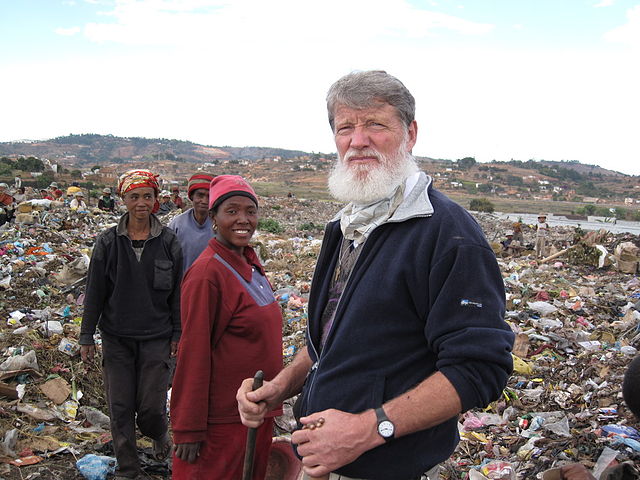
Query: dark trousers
column 136, row 376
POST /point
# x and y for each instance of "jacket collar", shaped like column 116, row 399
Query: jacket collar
column 416, row 201
column 244, row 268
column 156, row 225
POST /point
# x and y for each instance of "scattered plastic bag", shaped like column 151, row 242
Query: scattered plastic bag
column 9, row 442
column 96, row 467
column 499, row 470
column 20, row 362
column 543, row 308
column 95, row 417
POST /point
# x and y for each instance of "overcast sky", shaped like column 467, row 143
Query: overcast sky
column 493, row 79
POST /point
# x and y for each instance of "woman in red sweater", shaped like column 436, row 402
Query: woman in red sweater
column 231, row 327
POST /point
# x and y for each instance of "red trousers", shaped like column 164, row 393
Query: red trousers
column 222, row 454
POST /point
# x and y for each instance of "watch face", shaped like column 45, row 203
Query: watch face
column 386, row 429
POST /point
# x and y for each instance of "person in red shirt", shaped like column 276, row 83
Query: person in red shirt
column 45, row 194
column 231, row 327
column 56, row 193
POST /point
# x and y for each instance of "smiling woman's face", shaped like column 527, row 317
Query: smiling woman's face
column 236, row 219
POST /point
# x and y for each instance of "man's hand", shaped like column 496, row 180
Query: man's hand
column 340, row 439
column 188, row 452
column 87, row 353
column 174, row 348
column 576, row 471
column 254, row 405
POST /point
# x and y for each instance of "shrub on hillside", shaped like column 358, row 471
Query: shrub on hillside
column 481, row 205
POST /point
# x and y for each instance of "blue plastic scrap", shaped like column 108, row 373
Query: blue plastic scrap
column 621, row 430
column 96, row 467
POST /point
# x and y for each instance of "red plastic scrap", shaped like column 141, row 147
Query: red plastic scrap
column 23, row 461
column 542, row 296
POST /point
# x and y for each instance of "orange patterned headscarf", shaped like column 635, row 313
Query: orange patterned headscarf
column 136, row 179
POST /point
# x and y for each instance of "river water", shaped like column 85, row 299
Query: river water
column 621, row 226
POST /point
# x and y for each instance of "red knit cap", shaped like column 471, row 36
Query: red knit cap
column 225, row 186
column 199, row 180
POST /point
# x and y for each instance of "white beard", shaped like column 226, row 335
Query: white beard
column 364, row 184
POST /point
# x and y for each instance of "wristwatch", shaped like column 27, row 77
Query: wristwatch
column 386, row 428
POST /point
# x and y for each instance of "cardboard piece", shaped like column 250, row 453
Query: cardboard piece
column 521, row 345
column 8, row 391
column 42, row 444
column 14, row 373
column 57, row 390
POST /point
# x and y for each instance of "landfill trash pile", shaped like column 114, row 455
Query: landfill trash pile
column 576, row 317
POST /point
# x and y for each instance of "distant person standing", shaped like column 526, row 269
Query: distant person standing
column 194, row 228
column 542, row 234
column 106, row 202
column 17, row 182
column 176, row 198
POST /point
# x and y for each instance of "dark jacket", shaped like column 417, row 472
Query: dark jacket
column 130, row 298
column 107, row 203
column 425, row 295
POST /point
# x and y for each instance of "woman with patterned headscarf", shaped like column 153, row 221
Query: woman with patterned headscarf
column 133, row 298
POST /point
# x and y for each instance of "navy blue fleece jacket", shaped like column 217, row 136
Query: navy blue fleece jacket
column 425, row 295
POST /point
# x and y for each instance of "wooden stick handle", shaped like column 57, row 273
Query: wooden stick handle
column 247, row 470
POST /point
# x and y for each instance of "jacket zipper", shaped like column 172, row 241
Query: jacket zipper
column 316, row 364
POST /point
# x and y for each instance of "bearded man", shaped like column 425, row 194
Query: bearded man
column 406, row 310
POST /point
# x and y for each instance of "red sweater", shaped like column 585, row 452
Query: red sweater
column 231, row 327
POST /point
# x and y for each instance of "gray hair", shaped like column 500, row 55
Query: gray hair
column 368, row 89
